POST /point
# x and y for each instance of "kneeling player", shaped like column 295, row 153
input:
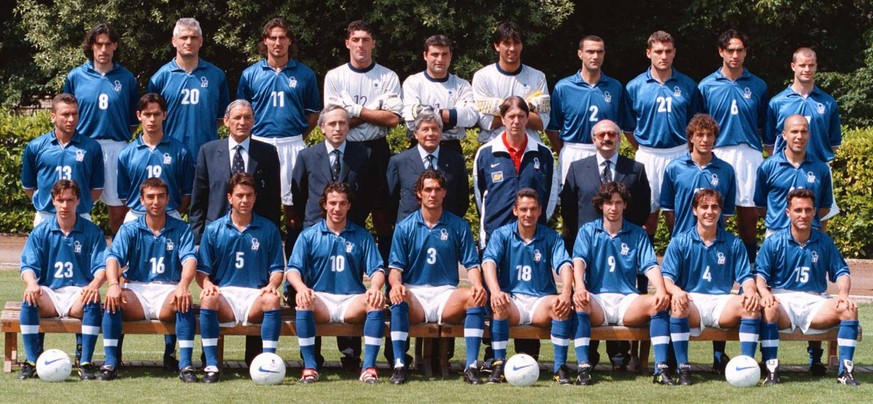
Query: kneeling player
column 796, row 263
column 240, row 270
column 425, row 252
column 608, row 254
column 158, row 252
column 700, row 268
column 518, row 264
column 326, row 269
column 62, row 267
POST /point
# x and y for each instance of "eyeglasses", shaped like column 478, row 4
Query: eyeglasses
column 602, row 135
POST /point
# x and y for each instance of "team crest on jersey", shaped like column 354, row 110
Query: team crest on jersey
column 677, row 92
column 536, row 163
column 537, row 256
column 292, row 82
column 747, row 93
column 607, row 97
column 349, row 247
column 376, row 84
column 169, row 245
column 714, row 180
column 204, row 82
column 497, row 176
column 255, row 244
column 167, row 158
column 625, row 250
column 720, row 258
column 810, row 177
column 77, row 247
column 814, row 257
column 80, row 155
column 821, row 109
column 450, row 93
column 117, row 86
column 444, row 235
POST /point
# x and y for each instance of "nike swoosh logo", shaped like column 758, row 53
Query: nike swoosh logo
column 739, row 369
column 262, row 370
column 494, row 165
column 517, row 368
column 53, row 361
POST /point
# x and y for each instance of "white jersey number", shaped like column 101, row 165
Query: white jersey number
column 665, row 104
column 734, row 109
column 801, row 274
column 64, row 172
column 524, row 272
column 707, row 276
column 157, row 265
column 154, row 171
column 63, row 269
column 594, row 110
column 103, row 101
column 240, row 260
column 337, row 263
column 278, row 99
column 431, row 256
column 190, row 96
column 611, row 262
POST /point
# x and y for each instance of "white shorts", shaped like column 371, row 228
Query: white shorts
column 614, row 306
column 41, row 216
column 151, row 296
column 834, row 207
column 527, row 305
column 288, row 148
column 655, row 161
column 241, row 301
column 745, row 161
column 133, row 215
column 63, row 298
column 111, row 150
column 801, row 308
column 432, row 299
column 710, row 308
column 573, row 152
column 337, row 305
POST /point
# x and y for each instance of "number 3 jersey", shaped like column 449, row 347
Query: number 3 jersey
column 149, row 257
column 59, row 260
column 786, row 264
column 526, row 268
column 333, row 263
column 612, row 263
column 694, row 267
column 241, row 258
column 430, row 256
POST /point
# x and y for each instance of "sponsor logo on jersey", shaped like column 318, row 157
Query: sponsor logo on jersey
column 625, row 250
column 80, row 155
column 255, row 244
column 117, row 86
column 349, row 247
column 497, row 176
column 720, row 258
column 810, row 177
column 821, row 108
column 204, row 82
column 77, row 247
column 444, row 234
column 537, row 256
column 677, row 92
column 607, row 97
column 747, row 93
column 292, row 82
column 714, row 180
column 814, row 257
column 168, row 159
column 169, row 245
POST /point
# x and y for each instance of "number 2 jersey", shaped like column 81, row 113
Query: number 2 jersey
column 59, row 260
column 786, row 264
column 526, row 268
column 149, row 257
column 612, row 263
column 430, row 256
column 695, row 267
column 241, row 258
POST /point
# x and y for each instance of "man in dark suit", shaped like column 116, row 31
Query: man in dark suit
column 217, row 161
column 583, row 179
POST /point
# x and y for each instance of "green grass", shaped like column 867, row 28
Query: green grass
column 156, row 385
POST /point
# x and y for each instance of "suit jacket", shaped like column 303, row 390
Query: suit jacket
column 581, row 184
column 404, row 169
column 209, row 196
column 312, row 172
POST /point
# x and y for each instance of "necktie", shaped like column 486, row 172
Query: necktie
column 335, row 167
column 428, row 165
column 238, row 166
column 606, row 174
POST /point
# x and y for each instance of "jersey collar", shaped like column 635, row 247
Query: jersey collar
column 77, row 137
column 815, row 91
column 515, row 232
column 781, row 159
column 322, row 227
column 229, row 222
column 434, row 79
column 140, row 144
column 89, row 65
column 78, row 227
column 290, row 65
column 169, row 225
column 577, row 79
column 504, row 72
column 175, row 66
column 719, row 235
column 598, row 225
column 674, row 76
column 744, row 76
column 364, row 70
column 689, row 161
column 498, row 146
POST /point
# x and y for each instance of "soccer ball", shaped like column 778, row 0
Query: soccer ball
column 54, row 366
column 521, row 370
column 742, row 371
column 267, row 368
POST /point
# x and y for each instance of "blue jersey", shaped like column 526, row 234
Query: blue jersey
column 820, row 110
column 244, row 259
column 739, row 107
column 335, row 263
column 785, row 264
column 612, row 263
column 169, row 161
column 45, row 162
column 149, row 257
column 711, row 270
column 194, row 102
column 526, row 268
column 577, row 107
column 661, row 111
column 280, row 99
column 431, row 256
column 683, row 178
column 107, row 103
column 777, row 177
column 58, row 260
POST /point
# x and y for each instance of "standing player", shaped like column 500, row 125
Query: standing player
column 509, row 77
column 700, row 268
column 157, row 252
column 796, row 263
column 737, row 100
column 107, row 94
column 663, row 100
column 608, row 254
column 449, row 96
column 427, row 248
column 153, row 155
column 240, row 270
column 580, row 101
column 518, row 265
column 62, row 154
column 195, row 90
column 326, row 269
column 62, row 267
column 284, row 95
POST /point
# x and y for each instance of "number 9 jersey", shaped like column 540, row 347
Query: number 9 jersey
column 149, row 257
column 430, row 257
column 612, row 263
column 59, row 260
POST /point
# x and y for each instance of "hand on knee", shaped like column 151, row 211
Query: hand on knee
column 269, row 301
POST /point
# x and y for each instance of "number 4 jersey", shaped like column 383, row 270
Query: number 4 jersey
column 430, row 256
column 695, row 267
column 149, row 257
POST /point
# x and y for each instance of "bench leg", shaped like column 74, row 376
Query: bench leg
column 444, row 357
column 424, row 355
column 220, row 347
column 10, row 351
column 833, row 358
column 645, row 348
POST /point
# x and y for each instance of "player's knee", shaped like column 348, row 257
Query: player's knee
column 848, row 314
column 269, row 301
column 209, row 302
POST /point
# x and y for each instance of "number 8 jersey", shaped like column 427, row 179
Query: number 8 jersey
column 149, row 257
column 526, row 268
column 431, row 256
column 612, row 263
column 60, row 260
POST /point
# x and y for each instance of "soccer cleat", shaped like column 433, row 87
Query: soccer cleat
column 309, row 376
column 496, row 376
column 718, row 365
column 87, row 371
column 107, row 373
column 28, row 371
column 351, row 364
column 171, row 364
column 211, row 374
column 369, row 376
column 818, row 369
column 399, row 375
column 562, row 376
column 662, row 375
column 583, row 377
column 187, row 375
column 471, row 374
column 772, row 377
column 685, row 375
column 487, row 366
column 847, row 377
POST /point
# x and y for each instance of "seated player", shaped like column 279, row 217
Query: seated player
column 700, row 268
column 326, row 269
column 158, row 253
column 793, row 267
column 518, row 265
column 62, row 268
column 240, row 271
column 608, row 254
column 427, row 247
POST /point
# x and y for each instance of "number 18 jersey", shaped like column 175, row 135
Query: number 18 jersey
column 526, row 268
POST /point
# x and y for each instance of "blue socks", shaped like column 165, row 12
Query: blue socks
column 29, row 319
column 769, row 340
column 185, row 330
column 659, row 332
column 209, row 335
column 474, row 327
column 499, row 338
column 91, row 318
column 749, row 335
column 270, row 329
column 400, row 331
column 111, row 334
column 680, row 332
column 561, row 341
column 847, row 337
column 306, row 337
column 582, row 336
column 374, row 331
